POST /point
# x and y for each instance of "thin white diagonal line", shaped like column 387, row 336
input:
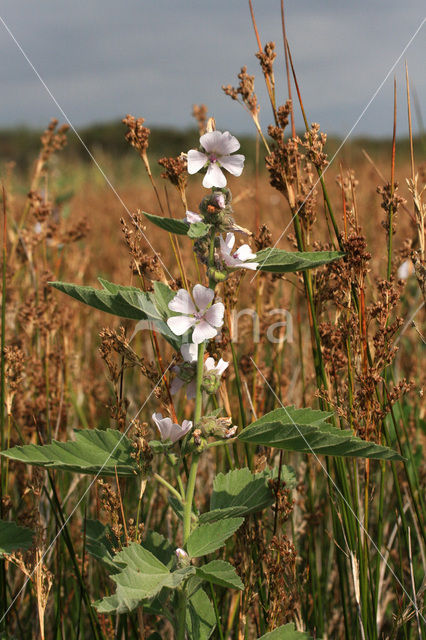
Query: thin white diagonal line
column 102, row 172
column 338, row 490
column 344, row 140
column 84, row 495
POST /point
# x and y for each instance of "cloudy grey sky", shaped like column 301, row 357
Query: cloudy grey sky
column 155, row 58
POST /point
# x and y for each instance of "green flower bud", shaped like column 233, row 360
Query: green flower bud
column 211, row 383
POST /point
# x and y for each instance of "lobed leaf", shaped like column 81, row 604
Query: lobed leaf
column 220, row 573
column 307, row 431
column 280, row 261
column 92, row 452
column 141, row 577
column 206, row 538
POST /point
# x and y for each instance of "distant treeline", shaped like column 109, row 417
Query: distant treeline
column 21, row 144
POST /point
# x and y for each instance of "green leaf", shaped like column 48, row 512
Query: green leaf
column 99, row 543
column 221, row 573
column 200, row 616
column 163, row 295
column 124, row 302
column 280, row 261
column 179, row 227
column 221, row 514
column 307, row 431
column 286, row 632
column 13, row 537
column 240, row 492
column 160, row 548
column 242, row 488
column 93, row 451
column 198, row 229
column 142, row 576
column 209, row 537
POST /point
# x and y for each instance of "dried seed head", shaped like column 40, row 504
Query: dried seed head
column 137, row 135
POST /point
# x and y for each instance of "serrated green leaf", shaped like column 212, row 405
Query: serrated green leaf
column 200, row 616
column 206, row 538
column 220, row 573
column 168, row 224
column 14, row 537
column 141, row 576
column 160, row 548
column 307, row 431
column 198, row 230
column 92, row 452
column 286, row 632
column 280, row 261
column 241, row 488
column 124, row 302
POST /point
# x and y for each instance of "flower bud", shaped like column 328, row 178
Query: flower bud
column 216, row 275
column 211, row 382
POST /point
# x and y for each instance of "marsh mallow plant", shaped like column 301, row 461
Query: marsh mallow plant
column 151, row 575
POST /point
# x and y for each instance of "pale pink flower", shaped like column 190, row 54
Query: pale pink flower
column 217, row 149
column 236, row 259
column 205, row 317
column 220, row 199
column 192, row 217
column 210, row 366
column 169, row 430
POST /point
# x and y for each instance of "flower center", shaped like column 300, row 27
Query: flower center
column 198, row 315
column 213, row 158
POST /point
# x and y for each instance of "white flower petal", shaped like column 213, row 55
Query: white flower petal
column 244, row 253
column 209, row 364
column 203, row 296
column 203, row 331
column 230, row 261
column 196, row 160
column 233, row 164
column 230, row 241
column 178, row 431
column 186, row 426
column 211, row 141
column 164, row 425
column 182, row 302
column 214, row 177
column 214, row 315
column 227, row 144
column 250, row 265
column 222, row 365
column 189, row 352
column 192, row 217
column 180, row 324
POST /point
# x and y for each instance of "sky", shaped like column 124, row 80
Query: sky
column 102, row 59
